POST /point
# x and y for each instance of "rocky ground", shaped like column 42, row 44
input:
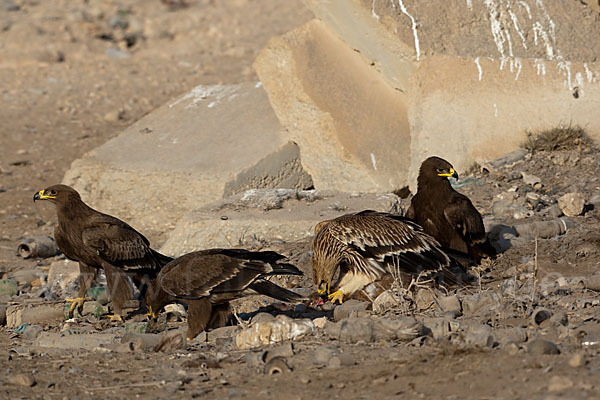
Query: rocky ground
column 75, row 73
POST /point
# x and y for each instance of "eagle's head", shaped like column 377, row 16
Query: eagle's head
column 436, row 168
column 57, row 194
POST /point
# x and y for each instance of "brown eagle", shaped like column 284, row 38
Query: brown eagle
column 98, row 240
column 447, row 215
column 208, row 280
column 368, row 245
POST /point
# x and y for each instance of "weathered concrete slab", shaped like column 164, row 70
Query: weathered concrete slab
column 34, row 313
column 379, row 86
column 267, row 216
column 214, row 140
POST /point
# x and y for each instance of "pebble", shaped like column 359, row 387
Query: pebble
column 577, row 360
column 449, row 303
column 26, row 380
column 350, row 308
column 356, row 329
column 559, row 383
column 571, row 204
column 323, row 354
column 541, row 346
column 530, row 179
column 341, row 360
column 26, row 276
column 113, row 116
column 275, row 331
column 9, row 5
column 32, row 332
column 320, row 322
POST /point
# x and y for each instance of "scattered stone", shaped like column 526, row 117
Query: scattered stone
column 320, row 322
column 479, row 335
column 350, row 308
column 26, row 380
column 509, row 158
column 32, row 332
column 530, row 179
column 489, row 300
column 437, row 327
column 559, row 383
column 572, row 204
column 171, row 341
column 25, row 276
column 424, row 299
column 9, row 5
column 117, row 54
column 222, row 334
column 141, row 341
column 385, row 301
column 37, row 247
column 541, row 346
column 323, row 354
column 511, row 335
column 87, row 341
column 280, row 329
column 449, row 303
column 285, row 350
column 352, row 329
column 341, row 360
column 34, row 313
column 403, row 329
column 553, row 211
column 577, row 360
column 591, row 282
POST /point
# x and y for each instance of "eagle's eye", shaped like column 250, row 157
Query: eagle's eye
column 440, row 170
column 52, row 192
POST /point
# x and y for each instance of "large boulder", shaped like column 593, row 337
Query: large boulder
column 214, row 141
column 380, row 85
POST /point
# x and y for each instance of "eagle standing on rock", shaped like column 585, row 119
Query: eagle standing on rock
column 368, row 245
column 208, row 280
column 447, row 215
column 98, row 240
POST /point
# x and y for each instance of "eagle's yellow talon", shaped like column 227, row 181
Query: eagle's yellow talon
column 151, row 313
column 77, row 302
column 338, row 295
column 114, row 317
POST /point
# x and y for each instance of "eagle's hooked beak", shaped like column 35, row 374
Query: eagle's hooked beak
column 451, row 173
column 41, row 196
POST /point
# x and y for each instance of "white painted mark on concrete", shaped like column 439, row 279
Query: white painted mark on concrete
column 588, row 74
column 373, row 13
column 374, row 161
column 212, row 104
column 538, row 30
column 526, row 7
column 565, row 68
column 515, row 21
column 479, row 67
column 496, row 25
column 540, row 5
column 503, row 61
column 258, row 84
column 495, row 110
column 518, row 66
column 414, row 28
column 201, row 93
column 470, row 5
column 541, row 67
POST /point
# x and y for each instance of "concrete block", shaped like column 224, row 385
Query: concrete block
column 36, row 313
column 215, row 140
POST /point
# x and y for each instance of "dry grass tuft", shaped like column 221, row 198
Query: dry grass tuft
column 560, row 138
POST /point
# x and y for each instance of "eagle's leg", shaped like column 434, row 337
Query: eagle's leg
column 219, row 316
column 338, row 295
column 118, row 290
column 199, row 314
column 87, row 275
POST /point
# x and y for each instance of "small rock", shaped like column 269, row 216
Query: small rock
column 323, row 354
column 478, row 335
column 222, row 333
column 541, row 346
column 32, row 332
column 572, row 204
column 488, row 299
column 509, row 158
column 350, row 308
column 559, row 383
column 26, row 380
column 320, row 322
column 9, row 5
column 448, row 303
column 341, row 360
column 113, row 116
column 424, row 299
column 530, row 179
column 26, row 276
column 511, row 335
column 8, row 287
column 553, row 211
column 591, row 282
column 269, row 332
column 356, row 329
column 577, row 360
column 385, row 301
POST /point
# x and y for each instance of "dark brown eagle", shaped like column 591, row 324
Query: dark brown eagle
column 368, row 245
column 447, row 215
column 98, row 240
column 208, row 280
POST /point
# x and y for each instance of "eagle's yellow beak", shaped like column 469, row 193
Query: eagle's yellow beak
column 451, row 173
column 41, row 196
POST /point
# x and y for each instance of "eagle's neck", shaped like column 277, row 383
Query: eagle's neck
column 74, row 209
column 436, row 184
